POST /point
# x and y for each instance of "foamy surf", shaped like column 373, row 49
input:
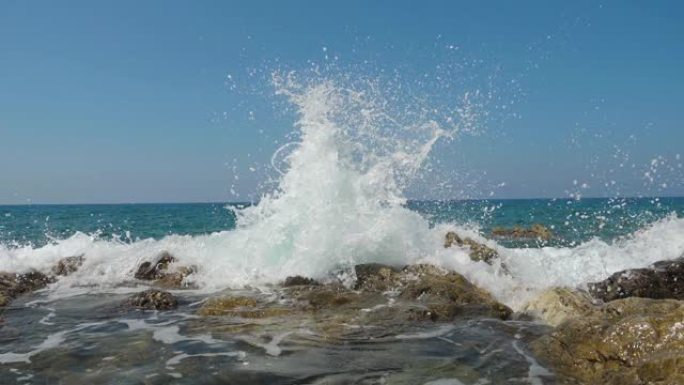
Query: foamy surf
column 221, row 265
column 339, row 203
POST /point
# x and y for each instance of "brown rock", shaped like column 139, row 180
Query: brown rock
column 425, row 293
column 14, row 285
column 537, row 231
column 68, row 265
column 375, row 276
column 243, row 307
column 556, row 305
column 438, row 287
column 155, row 270
column 319, row 299
column 152, row 300
column 175, row 279
column 161, row 272
column 627, row 341
column 225, row 305
column 298, row 280
column 663, row 279
column 478, row 251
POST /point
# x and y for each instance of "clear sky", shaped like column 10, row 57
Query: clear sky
column 130, row 101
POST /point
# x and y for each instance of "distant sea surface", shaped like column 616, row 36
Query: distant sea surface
column 572, row 221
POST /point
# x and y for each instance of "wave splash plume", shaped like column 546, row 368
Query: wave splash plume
column 340, row 202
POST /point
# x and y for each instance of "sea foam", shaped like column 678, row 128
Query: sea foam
column 340, row 202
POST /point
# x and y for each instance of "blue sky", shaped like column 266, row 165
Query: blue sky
column 129, row 101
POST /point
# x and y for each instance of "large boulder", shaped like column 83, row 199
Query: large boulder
column 627, row 341
column 663, row 279
column 478, row 251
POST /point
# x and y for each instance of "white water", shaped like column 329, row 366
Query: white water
column 339, row 203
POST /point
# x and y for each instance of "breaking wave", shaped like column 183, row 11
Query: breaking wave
column 340, row 202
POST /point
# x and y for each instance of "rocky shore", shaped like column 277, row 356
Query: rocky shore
column 627, row 329
column 616, row 333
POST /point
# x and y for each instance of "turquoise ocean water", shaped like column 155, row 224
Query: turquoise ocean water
column 77, row 330
column 572, row 221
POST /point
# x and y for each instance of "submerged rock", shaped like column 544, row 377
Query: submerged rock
column 222, row 305
column 556, row 305
column 152, row 300
column 478, row 251
column 537, row 231
column 663, row 279
column 627, row 341
column 243, row 307
column 68, row 265
column 13, row 285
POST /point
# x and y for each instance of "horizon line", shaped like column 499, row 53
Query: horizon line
column 408, row 200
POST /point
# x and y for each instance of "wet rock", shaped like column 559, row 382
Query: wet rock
column 298, row 280
column 260, row 313
column 13, row 285
column 243, row 307
column 556, row 305
column 152, row 300
column 5, row 297
column 175, row 279
column 327, row 298
column 626, row 341
column 537, row 231
column 31, row 281
column 478, row 251
column 383, row 295
column 375, row 276
column 663, row 279
column 432, row 285
column 163, row 275
column 68, row 265
column 445, row 292
column 222, row 305
column 155, row 270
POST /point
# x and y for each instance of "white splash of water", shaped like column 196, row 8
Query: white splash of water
column 340, row 202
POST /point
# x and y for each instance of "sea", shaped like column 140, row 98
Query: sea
column 339, row 202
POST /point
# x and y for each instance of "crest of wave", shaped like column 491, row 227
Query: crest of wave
column 340, row 200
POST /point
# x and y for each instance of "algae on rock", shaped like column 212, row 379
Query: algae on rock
column 627, row 341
